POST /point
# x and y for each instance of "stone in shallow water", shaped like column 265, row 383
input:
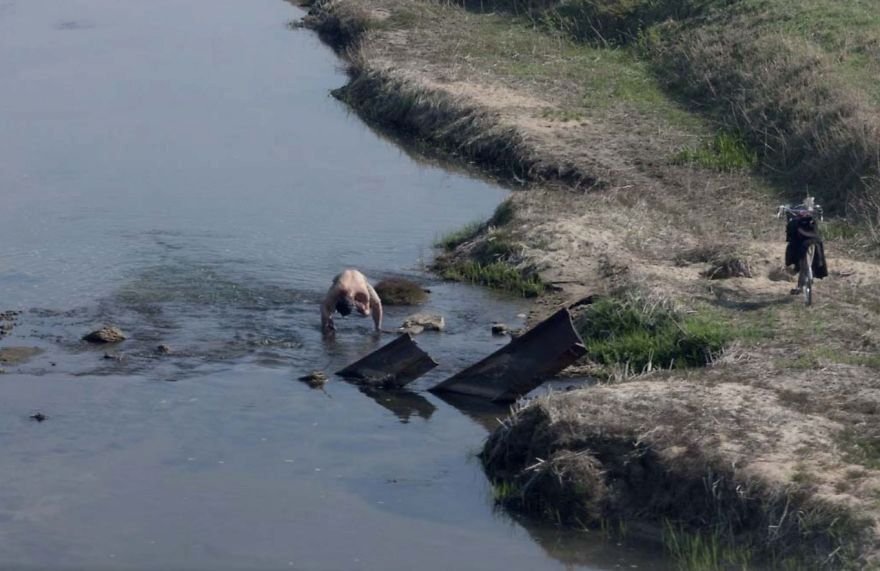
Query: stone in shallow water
column 499, row 329
column 315, row 379
column 7, row 322
column 415, row 324
column 106, row 334
column 18, row 355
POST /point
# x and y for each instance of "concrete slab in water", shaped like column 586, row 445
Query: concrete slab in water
column 395, row 365
column 521, row 365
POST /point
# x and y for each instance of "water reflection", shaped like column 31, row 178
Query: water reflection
column 484, row 413
column 403, row 403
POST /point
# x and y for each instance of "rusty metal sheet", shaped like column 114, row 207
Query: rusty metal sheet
column 521, row 365
column 395, row 365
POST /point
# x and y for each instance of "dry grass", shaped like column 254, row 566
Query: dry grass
column 654, row 452
column 798, row 87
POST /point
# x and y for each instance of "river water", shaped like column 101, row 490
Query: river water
column 179, row 170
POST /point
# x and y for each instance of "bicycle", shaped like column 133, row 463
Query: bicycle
column 802, row 232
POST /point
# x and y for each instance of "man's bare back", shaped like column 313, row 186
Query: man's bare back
column 350, row 291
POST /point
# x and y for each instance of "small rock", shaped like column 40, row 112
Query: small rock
column 499, row 329
column 39, row 417
column 2, row 371
column 514, row 333
column 415, row 324
column 113, row 356
column 780, row 274
column 315, row 379
column 105, row 334
column 163, row 349
column 7, row 322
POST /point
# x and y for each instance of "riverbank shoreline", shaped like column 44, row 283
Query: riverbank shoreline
column 780, row 422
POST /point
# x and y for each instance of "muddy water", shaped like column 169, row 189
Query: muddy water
column 178, row 169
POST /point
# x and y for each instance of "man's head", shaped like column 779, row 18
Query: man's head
column 344, row 305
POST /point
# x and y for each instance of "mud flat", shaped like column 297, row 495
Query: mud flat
column 728, row 412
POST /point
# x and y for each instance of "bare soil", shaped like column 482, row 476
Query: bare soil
column 791, row 413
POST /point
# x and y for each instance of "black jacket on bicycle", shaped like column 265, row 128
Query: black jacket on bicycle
column 800, row 233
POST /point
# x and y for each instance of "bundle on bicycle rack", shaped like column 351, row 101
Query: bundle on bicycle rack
column 802, row 231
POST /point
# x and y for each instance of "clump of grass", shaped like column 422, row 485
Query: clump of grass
column 839, row 229
column 726, row 152
column 729, row 267
column 644, row 335
column 499, row 275
column 458, row 237
column 725, row 261
column 504, row 491
column 503, row 214
column 498, row 246
column 703, row 552
column 861, row 448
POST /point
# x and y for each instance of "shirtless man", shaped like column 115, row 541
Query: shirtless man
column 350, row 290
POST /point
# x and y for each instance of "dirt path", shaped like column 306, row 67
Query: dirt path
column 791, row 410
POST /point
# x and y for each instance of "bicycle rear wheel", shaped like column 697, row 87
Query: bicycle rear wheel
column 806, row 277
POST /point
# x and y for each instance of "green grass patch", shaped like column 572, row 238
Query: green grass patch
column 816, row 358
column 703, row 552
column 498, row 275
column 726, row 152
column 458, row 237
column 865, row 234
column 589, row 78
column 839, row 229
column 505, row 491
column 629, row 330
column 503, row 214
column 861, row 448
column 498, row 246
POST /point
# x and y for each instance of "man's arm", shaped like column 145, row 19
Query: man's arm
column 375, row 307
column 327, row 325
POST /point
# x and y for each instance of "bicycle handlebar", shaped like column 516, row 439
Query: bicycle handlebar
column 798, row 210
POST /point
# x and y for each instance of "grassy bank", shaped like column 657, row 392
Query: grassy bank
column 796, row 81
column 586, row 460
column 654, row 140
column 485, row 253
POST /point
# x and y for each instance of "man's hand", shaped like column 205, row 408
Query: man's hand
column 328, row 327
column 375, row 307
